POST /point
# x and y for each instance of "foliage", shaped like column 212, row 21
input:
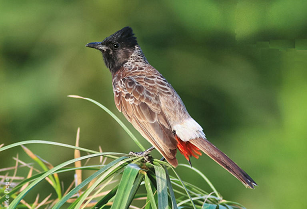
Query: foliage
column 135, row 173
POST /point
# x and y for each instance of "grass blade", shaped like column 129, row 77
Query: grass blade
column 186, row 190
column 204, row 177
column 16, row 201
column 46, row 142
column 103, row 177
column 134, row 189
column 125, row 186
column 171, row 191
column 55, row 182
column 86, row 181
column 98, row 191
column 150, row 192
column 209, row 206
column 106, row 198
column 114, row 117
column 161, row 187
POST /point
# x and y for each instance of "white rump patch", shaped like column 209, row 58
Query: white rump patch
column 189, row 129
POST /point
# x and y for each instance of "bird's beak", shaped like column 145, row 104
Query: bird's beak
column 97, row 45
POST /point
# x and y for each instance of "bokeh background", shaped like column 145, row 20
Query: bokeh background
column 239, row 66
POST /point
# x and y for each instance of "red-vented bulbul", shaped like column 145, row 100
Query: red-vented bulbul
column 153, row 106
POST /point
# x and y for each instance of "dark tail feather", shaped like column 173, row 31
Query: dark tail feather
column 222, row 159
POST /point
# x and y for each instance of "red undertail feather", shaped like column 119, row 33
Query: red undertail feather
column 187, row 149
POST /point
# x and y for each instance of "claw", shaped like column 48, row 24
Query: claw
column 144, row 154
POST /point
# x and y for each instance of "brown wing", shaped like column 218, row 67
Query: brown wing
column 137, row 96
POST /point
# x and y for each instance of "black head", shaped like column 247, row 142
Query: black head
column 117, row 48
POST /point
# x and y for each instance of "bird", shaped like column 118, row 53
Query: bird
column 153, row 107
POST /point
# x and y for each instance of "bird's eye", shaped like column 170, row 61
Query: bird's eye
column 116, row 45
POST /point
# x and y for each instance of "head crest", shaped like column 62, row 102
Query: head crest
column 124, row 36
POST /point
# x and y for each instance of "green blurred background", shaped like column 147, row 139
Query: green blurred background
column 239, row 67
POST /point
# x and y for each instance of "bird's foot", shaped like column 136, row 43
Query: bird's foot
column 144, row 154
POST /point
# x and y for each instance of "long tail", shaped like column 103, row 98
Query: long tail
column 222, row 159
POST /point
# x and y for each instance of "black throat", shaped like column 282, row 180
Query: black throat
column 115, row 60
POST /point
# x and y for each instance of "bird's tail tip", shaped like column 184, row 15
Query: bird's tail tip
column 249, row 182
column 218, row 156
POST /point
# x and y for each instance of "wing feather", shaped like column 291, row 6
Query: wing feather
column 138, row 99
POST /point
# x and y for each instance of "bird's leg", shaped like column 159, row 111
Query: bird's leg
column 144, row 154
column 140, row 154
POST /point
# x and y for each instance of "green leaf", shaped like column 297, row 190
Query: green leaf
column 161, row 187
column 150, row 193
column 98, row 190
column 46, row 142
column 209, row 206
column 88, row 180
column 223, row 207
column 16, row 201
column 74, row 204
column 171, row 191
column 185, row 188
column 106, row 198
column 231, row 204
column 103, row 177
column 134, row 189
column 42, row 163
column 126, row 184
